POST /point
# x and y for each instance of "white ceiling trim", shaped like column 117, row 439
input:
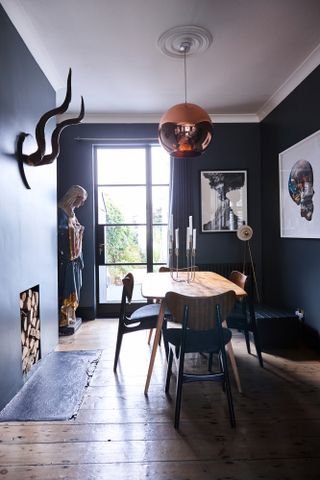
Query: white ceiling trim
column 307, row 66
column 34, row 43
column 155, row 118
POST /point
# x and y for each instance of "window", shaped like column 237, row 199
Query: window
column 133, row 204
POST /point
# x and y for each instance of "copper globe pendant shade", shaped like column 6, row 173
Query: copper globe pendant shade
column 185, row 130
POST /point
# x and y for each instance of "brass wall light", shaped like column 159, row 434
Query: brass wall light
column 185, row 130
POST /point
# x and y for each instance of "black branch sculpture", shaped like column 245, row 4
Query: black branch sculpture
column 39, row 157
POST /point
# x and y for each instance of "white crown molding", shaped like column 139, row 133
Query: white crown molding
column 306, row 67
column 235, row 118
column 24, row 26
column 155, row 118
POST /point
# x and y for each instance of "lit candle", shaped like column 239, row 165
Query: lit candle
column 190, row 222
column 177, row 237
column 194, row 239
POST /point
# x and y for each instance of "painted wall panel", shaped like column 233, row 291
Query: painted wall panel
column 290, row 265
column 27, row 217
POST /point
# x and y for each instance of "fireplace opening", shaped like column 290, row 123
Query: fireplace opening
column 30, row 328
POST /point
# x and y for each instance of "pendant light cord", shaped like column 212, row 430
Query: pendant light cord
column 185, row 73
column 185, row 47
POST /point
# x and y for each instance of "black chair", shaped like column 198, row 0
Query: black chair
column 201, row 332
column 144, row 318
column 243, row 316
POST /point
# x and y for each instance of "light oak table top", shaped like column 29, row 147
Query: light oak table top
column 204, row 284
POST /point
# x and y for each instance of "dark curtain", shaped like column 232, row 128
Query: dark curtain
column 181, row 200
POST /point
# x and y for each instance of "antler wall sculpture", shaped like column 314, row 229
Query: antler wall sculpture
column 39, row 157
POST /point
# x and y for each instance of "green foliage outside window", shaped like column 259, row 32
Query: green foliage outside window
column 121, row 241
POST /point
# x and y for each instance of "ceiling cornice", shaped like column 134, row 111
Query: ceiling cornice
column 155, row 118
column 26, row 30
column 307, row 66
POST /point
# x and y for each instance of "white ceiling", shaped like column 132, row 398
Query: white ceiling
column 261, row 50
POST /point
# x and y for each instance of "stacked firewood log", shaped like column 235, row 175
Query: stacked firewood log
column 30, row 328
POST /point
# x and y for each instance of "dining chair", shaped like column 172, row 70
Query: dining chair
column 202, row 331
column 164, row 269
column 243, row 316
column 144, row 318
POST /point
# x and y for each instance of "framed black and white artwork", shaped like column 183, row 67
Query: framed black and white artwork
column 223, row 200
column 299, row 188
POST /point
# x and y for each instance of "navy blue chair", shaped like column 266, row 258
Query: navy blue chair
column 201, row 331
column 243, row 316
column 144, row 318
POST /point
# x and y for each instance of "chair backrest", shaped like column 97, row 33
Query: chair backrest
column 167, row 269
column 238, row 278
column 202, row 310
column 128, row 284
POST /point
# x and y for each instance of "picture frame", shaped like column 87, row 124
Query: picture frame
column 223, row 200
column 299, row 185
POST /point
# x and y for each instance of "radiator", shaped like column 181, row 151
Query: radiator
column 224, row 269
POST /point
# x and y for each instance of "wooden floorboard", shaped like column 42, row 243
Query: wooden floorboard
column 119, row 433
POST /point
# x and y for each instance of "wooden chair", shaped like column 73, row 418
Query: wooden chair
column 144, row 318
column 243, row 317
column 163, row 269
column 201, row 332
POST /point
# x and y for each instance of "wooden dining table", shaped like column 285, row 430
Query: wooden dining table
column 202, row 284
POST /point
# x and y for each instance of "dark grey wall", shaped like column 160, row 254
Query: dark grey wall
column 234, row 146
column 290, row 266
column 28, row 217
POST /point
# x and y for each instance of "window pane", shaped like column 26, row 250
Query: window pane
column 160, row 253
column 110, row 282
column 121, row 166
column 125, row 244
column 121, row 205
column 160, row 204
column 160, row 164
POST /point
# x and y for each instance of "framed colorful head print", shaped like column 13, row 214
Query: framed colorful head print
column 299, row 188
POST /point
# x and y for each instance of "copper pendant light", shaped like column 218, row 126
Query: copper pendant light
column 185, row 130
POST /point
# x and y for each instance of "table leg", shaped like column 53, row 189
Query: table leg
column 154, row 347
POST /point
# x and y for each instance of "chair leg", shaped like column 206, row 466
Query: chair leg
column 210, row 359
column 179, row 391
column 118, row 348
column 246, row 334
column 169, row 370
column 150, row 336
column 257, row 345
column 165, row 343
column 234, row 365
column 222, row 370
column 228, row 387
